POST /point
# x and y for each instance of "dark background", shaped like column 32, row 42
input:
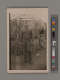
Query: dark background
column 54, row 8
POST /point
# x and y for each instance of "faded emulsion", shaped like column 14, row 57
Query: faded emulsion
column 27, row 43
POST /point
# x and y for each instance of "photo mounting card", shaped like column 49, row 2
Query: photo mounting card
column 27, row 40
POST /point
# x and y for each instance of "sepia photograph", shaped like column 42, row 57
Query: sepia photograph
column 27, row 40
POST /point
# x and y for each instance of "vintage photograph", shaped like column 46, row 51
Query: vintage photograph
column 27, row 40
